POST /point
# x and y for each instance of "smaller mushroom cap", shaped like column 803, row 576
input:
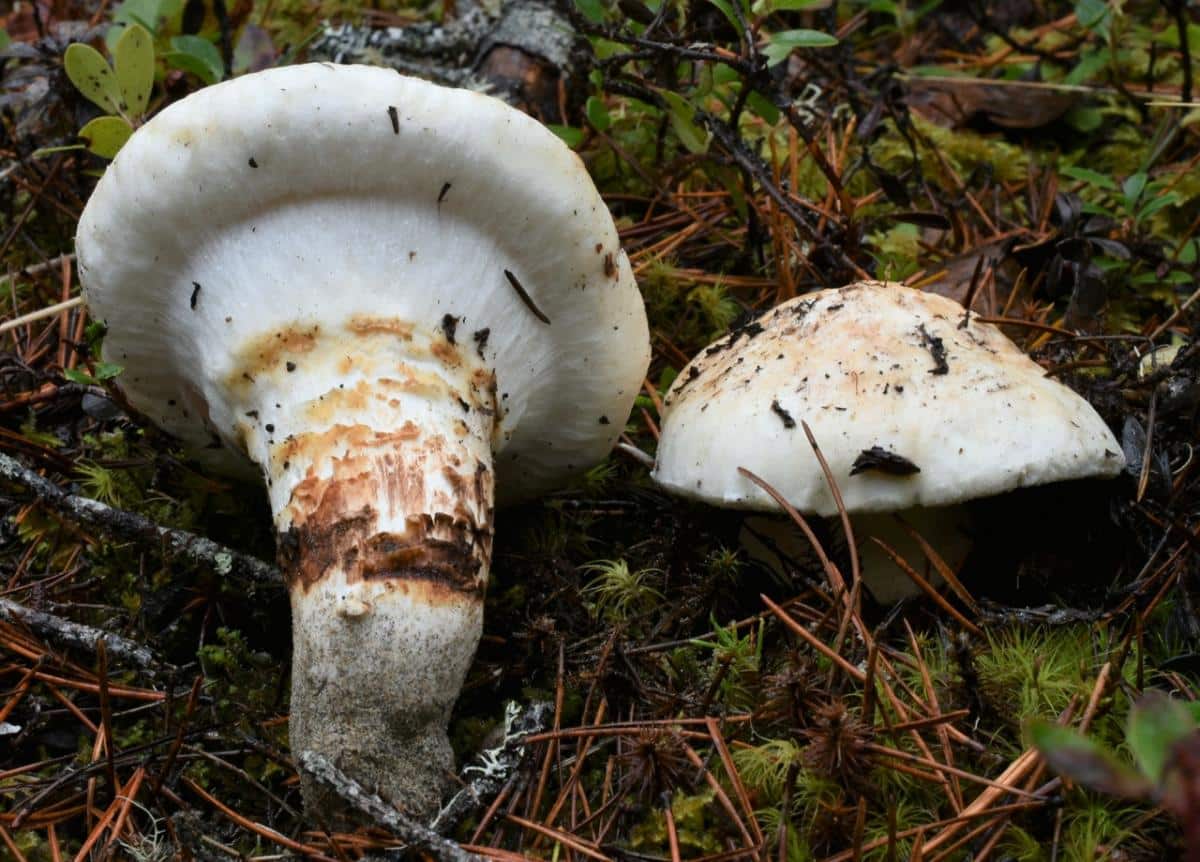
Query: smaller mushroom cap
column 932, row 411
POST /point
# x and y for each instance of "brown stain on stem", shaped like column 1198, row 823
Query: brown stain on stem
column 441, row 555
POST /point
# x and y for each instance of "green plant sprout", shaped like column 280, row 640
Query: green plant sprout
column 100, row 371
column 1135, row 200
column 617, row 592
column 1163, row 735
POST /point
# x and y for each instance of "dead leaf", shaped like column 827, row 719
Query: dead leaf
column 954, row 102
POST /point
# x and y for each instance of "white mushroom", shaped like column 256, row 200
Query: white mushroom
column 383, row 296
column 915, row 406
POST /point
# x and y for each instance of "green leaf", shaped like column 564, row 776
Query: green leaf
column 106, row 135
column 93, row 77
column 1168, row 200
column 198, row 56
column 570, row 135
column 106, row 370
column 1092, row 178
column 77, row 376
column 1089, row 65
column 42, row 152
column 727, row 10
column 781, row 44
column 766, row 7
column 133, row 59
column 597, row 114
column 149, row 13
column 1094, row 15
column 682, row 114
column 1133, row 187
column 1156, row 722
column 761, row 106
column 4, row 39
column 593, row 10
column 1075, row 756
column 1090, row 208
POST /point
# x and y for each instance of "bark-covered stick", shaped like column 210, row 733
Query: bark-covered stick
column 81, row 636
column 414, row 834
column 495, row 765
column 127, row 525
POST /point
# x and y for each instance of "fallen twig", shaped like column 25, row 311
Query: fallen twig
column 80, row 635
column 128, row 525
column 496, row 765
column 416, row 835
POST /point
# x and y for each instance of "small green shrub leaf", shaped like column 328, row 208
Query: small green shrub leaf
column 106, row 135
column 198, row 56
column 77, row 376
column 1156, row 722
column 134, row 61
column 683, row 120
column 727, row 10
column 1092, row 178
column 570, row 135
column 107, row 370
column 1081, row 759
column 93, row 77
column 783, row 43
column 597, row 114
column 766, row 7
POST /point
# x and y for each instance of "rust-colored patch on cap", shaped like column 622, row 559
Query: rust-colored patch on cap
column 267, row 351
column 340, row 402
column 352, row 438
column 365, row 324
column 270, row 351
column 447, row 352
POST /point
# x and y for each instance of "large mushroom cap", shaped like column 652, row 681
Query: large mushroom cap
column 318, row 194
column 888, row 377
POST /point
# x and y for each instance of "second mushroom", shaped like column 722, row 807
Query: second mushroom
column 917, row 407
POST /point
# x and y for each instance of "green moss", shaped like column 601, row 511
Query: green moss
column 1036, row 672
column 617, row 592
column 763, row 768
column 698, row 826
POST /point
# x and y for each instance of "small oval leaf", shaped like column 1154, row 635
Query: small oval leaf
column 198, row 56
column 106, row 135
column 134, row 61
column 780, row 46
column 682, row 114
column 1156, row 722
column 93, row 77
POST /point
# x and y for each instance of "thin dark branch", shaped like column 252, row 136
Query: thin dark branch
column 416, row 835
column 81, row 636
column 495, row 766
column 128, row 525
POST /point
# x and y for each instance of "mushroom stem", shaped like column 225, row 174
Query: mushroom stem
column 772, row 539
column 378, row 458
column 944, row 528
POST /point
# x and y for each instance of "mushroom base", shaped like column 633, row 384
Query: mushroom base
column 944, row 528
column 373, row 693
column 777, row 543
